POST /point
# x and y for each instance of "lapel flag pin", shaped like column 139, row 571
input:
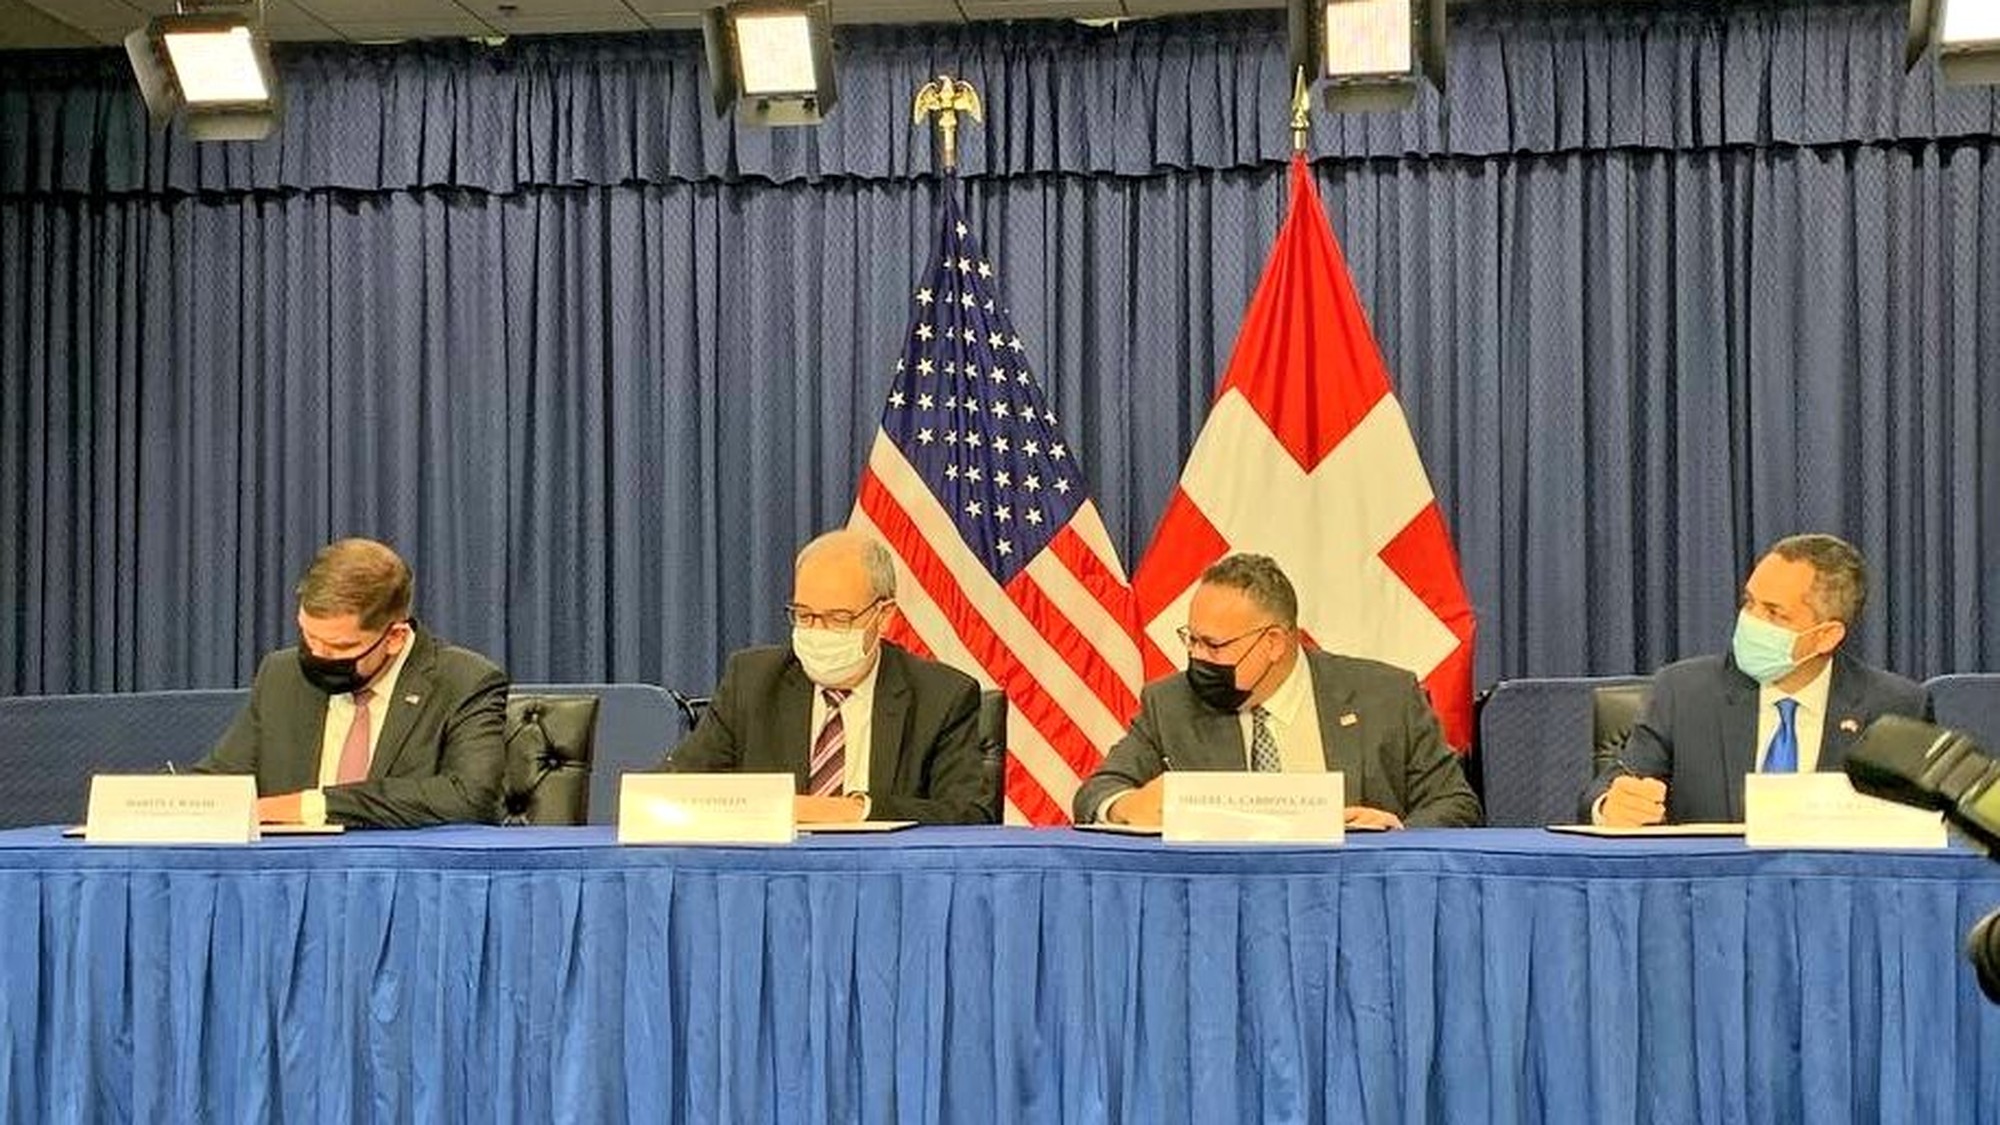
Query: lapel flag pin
column 1349, row 718
column 1849, row 726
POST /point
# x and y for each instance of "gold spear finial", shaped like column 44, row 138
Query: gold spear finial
column 1301, row 111
column 947, row 97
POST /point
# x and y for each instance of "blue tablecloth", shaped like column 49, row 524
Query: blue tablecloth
column 989, row 975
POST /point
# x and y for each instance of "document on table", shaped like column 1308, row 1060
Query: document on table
column 1696, row 828
column 76, row 830
column 1154, row 829
column 859, row 826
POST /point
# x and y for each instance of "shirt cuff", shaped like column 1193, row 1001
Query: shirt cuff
column 312, row 807
column 1102, row 813
column 1597, row 810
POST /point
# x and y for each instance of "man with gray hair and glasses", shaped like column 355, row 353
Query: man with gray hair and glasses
column 868, row 730
column 1252, row 698
column 1784, row 699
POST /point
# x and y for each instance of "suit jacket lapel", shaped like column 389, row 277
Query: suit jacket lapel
column 792, row 716
column 1333, row 700
column 1739, row 736
column 413, row 686
column 1846, row 715
column 307, row 721
column 892, row 711
column 1214, row 740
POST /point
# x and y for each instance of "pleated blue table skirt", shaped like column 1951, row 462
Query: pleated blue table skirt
column 990, row 975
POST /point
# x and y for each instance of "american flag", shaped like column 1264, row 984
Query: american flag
column 1004, row 568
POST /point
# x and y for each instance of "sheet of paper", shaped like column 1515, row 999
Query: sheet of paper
column 265, row 830
column 859, row 826
column 1154, row 829
column 1698, row 828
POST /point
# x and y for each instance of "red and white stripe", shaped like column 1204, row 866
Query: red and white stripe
column 1059, row 639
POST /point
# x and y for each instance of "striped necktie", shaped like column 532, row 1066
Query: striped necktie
column 829, row 756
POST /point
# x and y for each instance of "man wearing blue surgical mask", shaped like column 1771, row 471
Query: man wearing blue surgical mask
column 868, row 730
column 1784, row 699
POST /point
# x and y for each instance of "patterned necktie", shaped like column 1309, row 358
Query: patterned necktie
column 354, row 750
column 829, row 756
column 1263, row 747
column 1783, row 755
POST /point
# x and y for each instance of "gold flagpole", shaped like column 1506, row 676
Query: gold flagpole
column 947, row 97
column 1301, row 111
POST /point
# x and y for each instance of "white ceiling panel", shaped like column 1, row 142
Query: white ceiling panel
column 69, row 23
column 566, row 25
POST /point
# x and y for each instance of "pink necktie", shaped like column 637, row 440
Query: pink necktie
column 354, row 751
column 829, row 756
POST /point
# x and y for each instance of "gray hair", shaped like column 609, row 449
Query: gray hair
column 1260, row 579
column 874, row 557
column 1840, row 575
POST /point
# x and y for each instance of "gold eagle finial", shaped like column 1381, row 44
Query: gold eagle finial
column 947, row 97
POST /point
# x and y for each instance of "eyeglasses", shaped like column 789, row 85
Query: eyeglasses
column 1194, row 641
column 804, row 618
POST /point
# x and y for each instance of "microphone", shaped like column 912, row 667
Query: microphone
column 1915, row 763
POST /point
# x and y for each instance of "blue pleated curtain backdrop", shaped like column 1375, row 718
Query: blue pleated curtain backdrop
column 1657, row 285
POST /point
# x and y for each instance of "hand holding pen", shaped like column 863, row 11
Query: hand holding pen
column 1633, row 799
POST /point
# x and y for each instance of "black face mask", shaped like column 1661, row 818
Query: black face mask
column 336, row 675
column 1215, row 684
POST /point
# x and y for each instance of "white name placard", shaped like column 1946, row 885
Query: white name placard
column 170, row 809
column 1821, row 810
column 1233, row 807
column 705, row 808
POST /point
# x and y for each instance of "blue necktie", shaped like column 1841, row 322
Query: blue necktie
column 1783, row 755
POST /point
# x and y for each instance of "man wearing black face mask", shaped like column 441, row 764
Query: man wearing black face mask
column 368, row 721
column 1251, row 698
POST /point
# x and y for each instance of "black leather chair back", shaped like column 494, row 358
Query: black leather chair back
column 993, row 748
column 692, row 707
column 550, row 741
column 1614, row 710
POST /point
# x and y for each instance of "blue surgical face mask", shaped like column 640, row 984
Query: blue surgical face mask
column 1763, row 650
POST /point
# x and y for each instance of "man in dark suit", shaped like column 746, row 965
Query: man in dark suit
column 1253, row 698
column 868, row 730
column 1784, row 699
column 369, row 721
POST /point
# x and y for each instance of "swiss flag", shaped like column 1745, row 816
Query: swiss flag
column 1306, row 457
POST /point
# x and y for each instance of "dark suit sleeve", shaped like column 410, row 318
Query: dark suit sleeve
column 471, row 755
column 954, row 781
column 1134, row 760
column 714, row 746
column 1436, row 792
column 1648, row 751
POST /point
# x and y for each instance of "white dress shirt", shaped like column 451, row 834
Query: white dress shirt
column 1293, row 716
